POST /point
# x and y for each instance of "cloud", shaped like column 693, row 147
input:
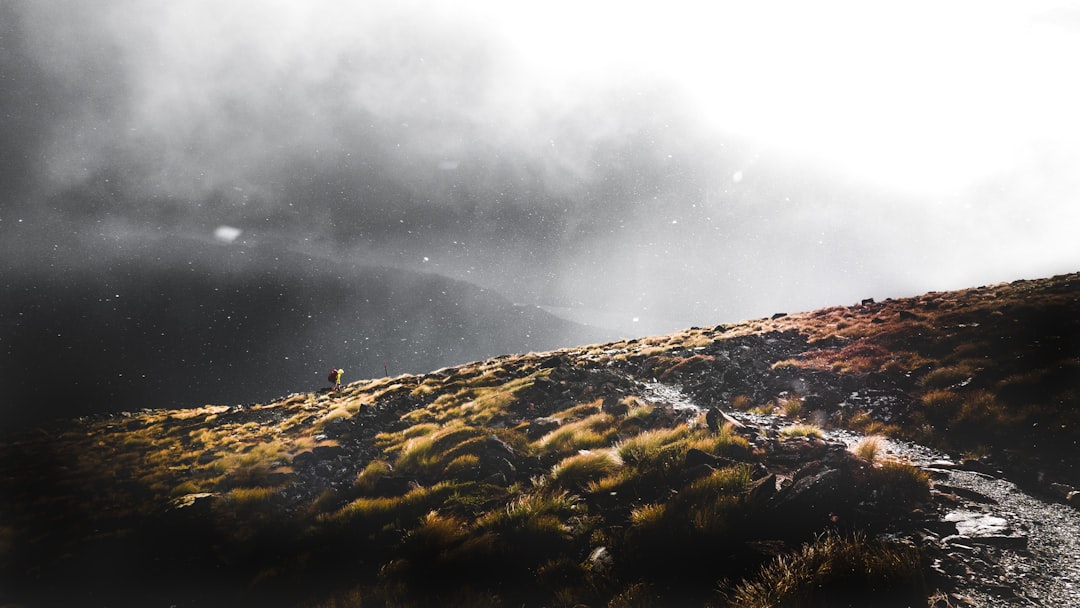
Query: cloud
column 563, row 154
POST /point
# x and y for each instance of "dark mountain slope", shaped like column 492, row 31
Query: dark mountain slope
column 615, row 474
column 185, row 323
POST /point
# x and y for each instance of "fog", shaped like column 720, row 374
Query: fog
column 637, row 166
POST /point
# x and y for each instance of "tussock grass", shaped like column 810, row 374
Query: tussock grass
column 429, row 454
column 651, row 445
column 376, row 469
column 248, row 497
column 901, row 482
column 792, row 406
column 945, row 377
column 837, row 571
column 869, row 448
column 725, row 442
column 801, row 430
column 649, row 516
column 373, row 513
column 743, row 403
column 578, row 470
column 588, row 433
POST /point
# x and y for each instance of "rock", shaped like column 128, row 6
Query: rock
column 978, row 466
column 696, row 457
column 808, row 499
column 190, row 500
column 712, row 419
column 494, row 445
column 601, row 560
column 966, row 494
column 206, row 457
column 318, row 454
column 541, row 426
column 762, row 490
column 612, row 406
column 392, row 486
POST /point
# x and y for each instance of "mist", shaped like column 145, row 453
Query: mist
column 636, row 168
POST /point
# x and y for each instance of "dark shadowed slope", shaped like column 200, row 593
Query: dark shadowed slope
column 663, row 470
column 187, row 323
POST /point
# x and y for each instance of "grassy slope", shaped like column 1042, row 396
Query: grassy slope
column 494, row 483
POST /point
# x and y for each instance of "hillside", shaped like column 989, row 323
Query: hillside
column 871, row 446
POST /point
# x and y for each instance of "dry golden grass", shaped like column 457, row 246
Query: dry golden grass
column 835, row 570
column 869, row 448
column 588, row 433
column 579, row 470
column 801, row 430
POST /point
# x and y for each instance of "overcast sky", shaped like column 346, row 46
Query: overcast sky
column 649, row 165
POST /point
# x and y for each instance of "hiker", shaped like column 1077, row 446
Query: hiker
column 335, row 379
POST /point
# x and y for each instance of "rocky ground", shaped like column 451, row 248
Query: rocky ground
column 234, row 501
column 992, row 544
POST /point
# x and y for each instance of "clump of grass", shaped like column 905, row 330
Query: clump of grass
column 944, row 377
column 801, row 430
column 869, row 448
column 742, row 403
column 725, row 442
column 375, row 512
column 649, row 516
column 246, row 497
column 837, row 571
column 592, row 432
column 429, row 454
column 792, row 406
column 900, row 482
column 580, row 469
column 184, row 488
column 650, row 445
column 375, row 470
column 982, row 410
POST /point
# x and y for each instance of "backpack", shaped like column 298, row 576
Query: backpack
column 332, row 376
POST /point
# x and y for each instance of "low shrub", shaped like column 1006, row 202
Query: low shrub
column 837, row 571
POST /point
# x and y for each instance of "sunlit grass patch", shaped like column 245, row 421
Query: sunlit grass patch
column 246, row 497
column 944, row 377
column 429, row 454
column 727, row 481
column 869, row 448
column 394, row 441
column 742, row 403
column 651, row 515
column 374, row 512
column 530, row 505
column 837, row 571
column 579, row 411
column 578, row 470
column 725, row 442
column 791, row 406
column 372, row 473
column 592, row 432
column 801, row 430
column 650, row 445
